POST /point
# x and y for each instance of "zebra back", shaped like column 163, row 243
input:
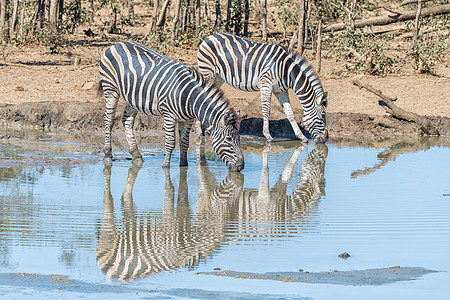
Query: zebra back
column 154, row 84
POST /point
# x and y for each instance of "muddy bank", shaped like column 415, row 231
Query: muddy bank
column 356, row 277
column 73, row 116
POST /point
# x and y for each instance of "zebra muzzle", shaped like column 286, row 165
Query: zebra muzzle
column 323, row 138
column 236, row 167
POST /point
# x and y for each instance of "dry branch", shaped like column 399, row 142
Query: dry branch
column 384, row 20
column 426, row 125
column 411, row 2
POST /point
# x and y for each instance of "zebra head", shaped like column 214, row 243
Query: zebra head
column 314, row 117
column 226, row 141
column 306, row 84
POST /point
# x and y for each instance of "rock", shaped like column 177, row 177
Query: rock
column 344, row 255
column 88, row 85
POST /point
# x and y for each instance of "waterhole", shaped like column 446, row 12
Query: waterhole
column 73, row 226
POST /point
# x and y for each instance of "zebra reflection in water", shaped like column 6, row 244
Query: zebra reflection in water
column 140, row 244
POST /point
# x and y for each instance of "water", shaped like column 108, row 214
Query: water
column 71, row 226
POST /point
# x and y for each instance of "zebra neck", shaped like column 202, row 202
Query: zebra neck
column 209, row 109
column 304, row 81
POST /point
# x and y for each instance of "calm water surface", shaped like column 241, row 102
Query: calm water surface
column 71, row 226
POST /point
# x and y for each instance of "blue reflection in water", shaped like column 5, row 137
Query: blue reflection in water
column 142, row 244
column 385, row 205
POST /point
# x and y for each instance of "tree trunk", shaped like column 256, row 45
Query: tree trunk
column 246, row 16
column 319, row 46
column 228, row 21
column 154, row 14
column 36, row 16
column 384, row 20
column 294, row 39
column 131, row 10
column 22, row 16
column 417, row 23
column 176, row 18
column 3, row 21
column 13, row 20
column 197, row 17
column 207, row 13
column 262, row 9
column 61, row 11
column 307, row 16
column 237, row 17
column 301, row 28
column 218, row 21
column 53, row 14
column 162, row 16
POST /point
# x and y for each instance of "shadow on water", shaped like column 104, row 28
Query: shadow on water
column 139, row 245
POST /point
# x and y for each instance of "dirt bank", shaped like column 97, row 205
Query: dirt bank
column 59, row 92
column 75, row 115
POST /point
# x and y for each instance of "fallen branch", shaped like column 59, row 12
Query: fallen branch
column 405, row 2
column 426, row 125
column 398, row 17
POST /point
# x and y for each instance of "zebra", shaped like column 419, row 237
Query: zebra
column 153, row 84
column 251, row 66
column 134, row 244
column 138, row 245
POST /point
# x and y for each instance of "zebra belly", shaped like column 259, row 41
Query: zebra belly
column 146, row 105
column 242, row 85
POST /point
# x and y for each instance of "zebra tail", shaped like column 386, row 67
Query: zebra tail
column 99, row 90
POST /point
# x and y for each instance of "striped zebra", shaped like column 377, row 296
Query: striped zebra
column 142, row 244
column 251, row 66
column 134, row 244
column 155, row 85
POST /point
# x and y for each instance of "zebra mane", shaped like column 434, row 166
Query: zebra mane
column 230, row 115
column 197, row 76
column 232, row 118
column 310, row 73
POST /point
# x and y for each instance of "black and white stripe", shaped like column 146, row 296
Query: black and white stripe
column 138, row 245
column 135, row 244
column 251, row 66
column 153, row 84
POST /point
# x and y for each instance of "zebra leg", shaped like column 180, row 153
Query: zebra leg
column 111, row 98
column 287, row 172
column 283, row 98
column 266, row 94
column 264, row 188
column 128, row 117
column 198, row 129
column 184, row 129
column 169, row 128
column 169, row 196
column 201, row 157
